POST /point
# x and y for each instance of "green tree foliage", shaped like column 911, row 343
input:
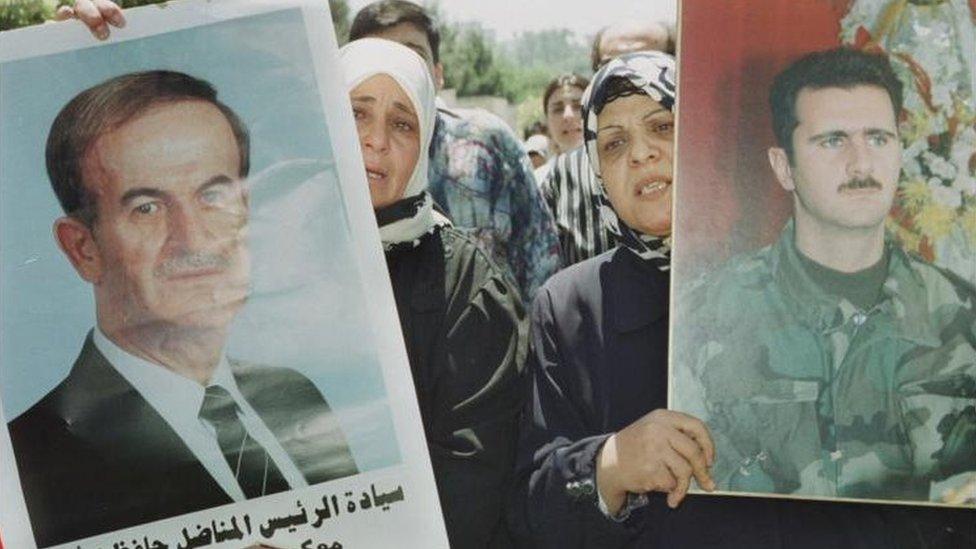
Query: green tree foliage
column 532, row 59
column 475, row 65
column 467, row 53
column 470, row 66
column 522, row 81
column 554, row 50
column 518, row 70
column 340, row 19
column 21, row 13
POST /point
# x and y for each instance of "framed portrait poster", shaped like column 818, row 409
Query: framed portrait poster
column 823, row 298
column 199, row 344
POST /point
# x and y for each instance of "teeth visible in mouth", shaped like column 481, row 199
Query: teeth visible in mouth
column 373, row 175
column 653, row 186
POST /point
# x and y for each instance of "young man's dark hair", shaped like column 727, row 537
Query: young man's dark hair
column 384, row 14
column 836, row 68
column 568, row 79
column 109, row 105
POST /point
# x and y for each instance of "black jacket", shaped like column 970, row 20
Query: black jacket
column 465, row 331
column 598, row 363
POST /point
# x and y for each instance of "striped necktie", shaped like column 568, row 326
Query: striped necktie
column 254, row 469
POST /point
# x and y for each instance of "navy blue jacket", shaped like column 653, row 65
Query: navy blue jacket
column 598, row 363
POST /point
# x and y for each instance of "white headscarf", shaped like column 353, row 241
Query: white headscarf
column 405, row 221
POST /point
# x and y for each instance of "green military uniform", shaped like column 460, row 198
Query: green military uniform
column 806, row 394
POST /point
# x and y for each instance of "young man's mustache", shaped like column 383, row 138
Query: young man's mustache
column 860, row 183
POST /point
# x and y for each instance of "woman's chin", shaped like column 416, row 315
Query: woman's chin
column 654, row 218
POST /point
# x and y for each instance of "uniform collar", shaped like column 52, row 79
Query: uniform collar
column 904, row 298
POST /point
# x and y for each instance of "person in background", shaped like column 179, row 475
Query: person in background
column 479, row 173
column 630, row 36
column 601, row 461
column 561, row 102
column 537, row 146
column 569, row 186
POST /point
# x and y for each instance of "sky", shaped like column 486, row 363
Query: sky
column 508, row 17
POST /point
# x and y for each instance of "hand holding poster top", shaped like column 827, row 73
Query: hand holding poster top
column 98, row 15
column 830, row 363
column 230, row 254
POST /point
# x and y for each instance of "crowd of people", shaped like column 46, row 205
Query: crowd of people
column 532, row 286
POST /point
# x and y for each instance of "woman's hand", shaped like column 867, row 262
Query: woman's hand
column 659, row 452
column 97, row 15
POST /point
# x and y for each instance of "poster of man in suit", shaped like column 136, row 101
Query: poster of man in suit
column 181, row 343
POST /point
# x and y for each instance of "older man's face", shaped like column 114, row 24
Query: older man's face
column 168, row 240
column 630, row 37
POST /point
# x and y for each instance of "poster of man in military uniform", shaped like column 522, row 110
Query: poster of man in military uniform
column 832, row 362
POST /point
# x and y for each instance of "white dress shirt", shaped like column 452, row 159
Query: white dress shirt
column 178, row 400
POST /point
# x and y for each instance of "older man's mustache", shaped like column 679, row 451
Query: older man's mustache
column 860, row 183
column 190, row 263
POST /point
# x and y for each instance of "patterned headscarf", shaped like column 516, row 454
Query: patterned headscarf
column 652, row 73
column 404, row 222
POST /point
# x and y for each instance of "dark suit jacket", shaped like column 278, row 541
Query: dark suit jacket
column 94, row 456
